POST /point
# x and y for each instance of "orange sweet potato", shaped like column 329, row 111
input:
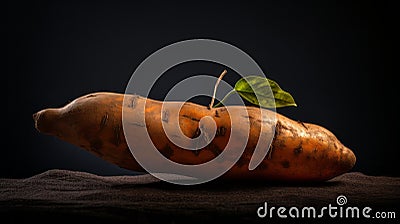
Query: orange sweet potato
column 299, row 151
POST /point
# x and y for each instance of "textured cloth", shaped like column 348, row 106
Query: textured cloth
column 65, row 196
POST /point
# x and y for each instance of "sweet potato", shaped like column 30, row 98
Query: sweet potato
column 299, row 151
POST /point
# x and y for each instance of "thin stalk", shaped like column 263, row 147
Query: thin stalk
column 215, row 88
column 226, row 97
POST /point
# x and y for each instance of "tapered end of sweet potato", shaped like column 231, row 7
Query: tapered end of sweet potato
column 349, row 161
column 45, row 120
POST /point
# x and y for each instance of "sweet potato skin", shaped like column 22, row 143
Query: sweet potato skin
column 299, row 151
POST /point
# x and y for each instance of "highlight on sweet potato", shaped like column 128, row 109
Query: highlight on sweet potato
column 299, row 151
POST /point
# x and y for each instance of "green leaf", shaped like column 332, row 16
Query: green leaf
column 267, row 91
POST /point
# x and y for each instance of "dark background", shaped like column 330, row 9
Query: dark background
column 335, row 58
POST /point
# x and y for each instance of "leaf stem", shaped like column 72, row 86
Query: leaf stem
column 215, row 88
column 225, row 97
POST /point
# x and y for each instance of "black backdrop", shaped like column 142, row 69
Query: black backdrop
column 335, row 58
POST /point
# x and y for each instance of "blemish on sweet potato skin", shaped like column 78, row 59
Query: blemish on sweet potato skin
column 285, row 164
